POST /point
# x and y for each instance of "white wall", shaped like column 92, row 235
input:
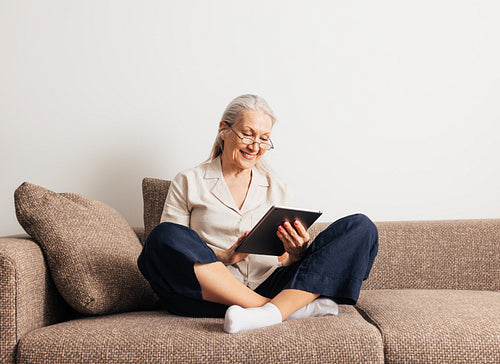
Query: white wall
column 386, row 107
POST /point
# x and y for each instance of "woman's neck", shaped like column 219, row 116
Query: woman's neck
column 238, row 181
column 233, row 173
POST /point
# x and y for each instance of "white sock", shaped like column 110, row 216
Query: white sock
column 318, row 307
column 241, row 319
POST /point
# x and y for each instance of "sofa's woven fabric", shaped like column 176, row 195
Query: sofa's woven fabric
column 450, row 254
column 156, row 337
column 8, row 333
column 436, row 326
column 90, row 249
column 460, row 254
column 154, row 193
column 28, row 298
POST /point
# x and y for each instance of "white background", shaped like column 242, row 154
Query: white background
column 390, row 108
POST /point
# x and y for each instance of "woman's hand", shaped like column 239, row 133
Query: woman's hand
column 229, row 256
column 294, row 239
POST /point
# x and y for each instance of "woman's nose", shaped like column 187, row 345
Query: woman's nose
column 254, row 146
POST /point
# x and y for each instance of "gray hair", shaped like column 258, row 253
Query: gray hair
column 233, row 115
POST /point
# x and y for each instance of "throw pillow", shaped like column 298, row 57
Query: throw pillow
column 154, row 192
column 91, row 251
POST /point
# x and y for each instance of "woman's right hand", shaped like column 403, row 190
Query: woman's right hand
column 295, row 240
column 230, row 256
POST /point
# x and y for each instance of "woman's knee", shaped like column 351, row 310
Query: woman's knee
column 161, row 230
column 158, row 242
column 365, row 227
column 354, row 230
column 177, row 243
column 367, row 236
column 152, row 246
column 363, row 222
column 164, row 234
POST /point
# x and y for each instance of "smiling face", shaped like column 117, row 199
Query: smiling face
column 237, row 156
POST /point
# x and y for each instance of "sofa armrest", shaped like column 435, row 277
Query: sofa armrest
column 28, row 297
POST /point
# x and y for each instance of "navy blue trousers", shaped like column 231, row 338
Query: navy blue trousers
column 334, row 265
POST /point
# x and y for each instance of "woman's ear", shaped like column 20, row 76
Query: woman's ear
column 222, row 127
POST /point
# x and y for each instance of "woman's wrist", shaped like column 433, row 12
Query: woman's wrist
column 222, row 256
column 284, row 259
column 288, row 259
column 292, row 259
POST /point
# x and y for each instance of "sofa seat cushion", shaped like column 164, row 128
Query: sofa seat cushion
column 158, row 337
column 436, row 326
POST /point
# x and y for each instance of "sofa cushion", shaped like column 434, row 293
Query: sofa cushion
column 436, row 326
column 154, row 193
column 90, row 249
column 157, row 337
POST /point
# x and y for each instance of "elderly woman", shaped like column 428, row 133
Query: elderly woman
column 190, row 260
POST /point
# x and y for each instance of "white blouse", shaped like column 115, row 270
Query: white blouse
column 199, row 198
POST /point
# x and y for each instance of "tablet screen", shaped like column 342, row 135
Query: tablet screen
column 262, row 239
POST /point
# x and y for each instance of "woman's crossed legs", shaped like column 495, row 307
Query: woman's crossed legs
column 334, row 266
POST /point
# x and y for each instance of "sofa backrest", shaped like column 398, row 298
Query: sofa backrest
column 452, row 254
column 154, row 193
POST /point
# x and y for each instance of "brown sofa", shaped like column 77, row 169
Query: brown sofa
column 432, row 297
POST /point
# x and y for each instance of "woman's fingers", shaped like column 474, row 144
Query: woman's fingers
column 292, row 232
column 285, row 238
column 297, row 232
column 294, row 239
column 240, row 238
column 230, row 256
column 301, row 230
column 233, row 257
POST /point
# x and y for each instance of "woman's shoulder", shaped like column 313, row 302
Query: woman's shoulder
column 274, row 180
column 279, row 188
column 192, row 173
column 271, row 175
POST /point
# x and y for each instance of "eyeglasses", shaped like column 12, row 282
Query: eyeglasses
column 250, row 141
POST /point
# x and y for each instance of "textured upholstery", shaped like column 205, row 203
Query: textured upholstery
column 453, row 254
column 157, row 337
column 154, row 193
column 28, row 298
column 450, row 254
column 436, row 326
column 90, row 249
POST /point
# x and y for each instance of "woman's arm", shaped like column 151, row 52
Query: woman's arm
column 176, row 207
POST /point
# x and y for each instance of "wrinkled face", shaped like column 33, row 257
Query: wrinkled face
column 255, row 124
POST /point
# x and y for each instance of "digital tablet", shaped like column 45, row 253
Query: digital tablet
column 262, row 239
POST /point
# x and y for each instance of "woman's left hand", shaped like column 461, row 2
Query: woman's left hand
column 294, row 239
column 230, row 256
